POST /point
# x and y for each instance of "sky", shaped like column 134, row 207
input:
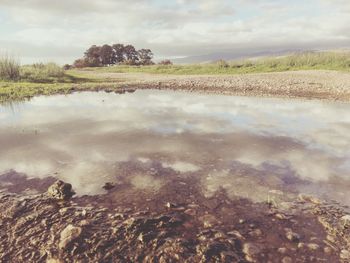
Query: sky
column 60, row 31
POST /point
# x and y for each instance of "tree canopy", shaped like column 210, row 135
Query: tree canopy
column 106, row 55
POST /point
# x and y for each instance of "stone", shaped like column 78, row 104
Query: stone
column 68, row 235
column 209, row 221
column 108, row 186
column 282, row 250
column 345, row 220
column 309, row 199
column 170, row 205
column 256, row 233
column 251, row 251
column 60, row 190
column 345, row 254
column 287, row 260
column 327, row 250
column 313, row 246
column 292, row 236
column 190, row 212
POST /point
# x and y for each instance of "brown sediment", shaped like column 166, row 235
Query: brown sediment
column 177, row 224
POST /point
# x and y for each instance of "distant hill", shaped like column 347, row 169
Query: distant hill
column 234, row 56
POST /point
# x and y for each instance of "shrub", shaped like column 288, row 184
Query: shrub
column 67, row 67
column 9, row 68
column 40, row 72
column 165, row 62
column 222, row 63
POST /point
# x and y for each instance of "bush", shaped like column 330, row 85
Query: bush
column 165, row 62
column 222, row 63
column 67, row 67
column 40, row 72
column 9, row 68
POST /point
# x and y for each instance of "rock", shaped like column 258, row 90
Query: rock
column 345, row 220
column 190, row 212
column 282, row 250
column 209, row 221
column 69, row 234
column 237, row 234
column 108, row 186
column 170, row 205
column 313, row 246
column 281, row 216
column 60, row 190
column 287, row 260
column 309, row 199
column 256, row 233
column 327, row 250
column 345, row 254
column 251, row 251
column 292, row 236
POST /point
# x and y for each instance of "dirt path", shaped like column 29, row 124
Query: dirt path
column 320, row 84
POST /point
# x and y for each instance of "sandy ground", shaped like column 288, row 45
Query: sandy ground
column 318, row 84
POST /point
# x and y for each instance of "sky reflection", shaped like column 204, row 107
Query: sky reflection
column 82, row 138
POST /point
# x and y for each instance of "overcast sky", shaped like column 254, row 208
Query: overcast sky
column 50, row 30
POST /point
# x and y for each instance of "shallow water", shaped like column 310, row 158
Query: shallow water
column 249, row 147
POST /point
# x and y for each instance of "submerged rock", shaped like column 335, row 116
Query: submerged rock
column 69, row 234
column 60, row 190
column 251, row 251
column 108, row 186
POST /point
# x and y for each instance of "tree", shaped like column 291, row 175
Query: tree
column 118, row 53
column 81, row 63
column 92, row 56
column 131, row 55
column 145, row 56
column 106, row 55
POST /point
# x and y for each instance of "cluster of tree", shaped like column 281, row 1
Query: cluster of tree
column 98, row 56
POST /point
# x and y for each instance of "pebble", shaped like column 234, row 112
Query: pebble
column 251, row 250
column 190, row 212
column 313, row 246
column 287, row 260
column 345, row 254
column 292, row 236
column 282, row 250
column 327, row 250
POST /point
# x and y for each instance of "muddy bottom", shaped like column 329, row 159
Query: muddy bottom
column 166, row 176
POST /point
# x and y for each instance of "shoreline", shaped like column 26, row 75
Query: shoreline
column 310, row 85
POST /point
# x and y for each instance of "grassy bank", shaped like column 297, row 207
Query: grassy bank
column 304, row 61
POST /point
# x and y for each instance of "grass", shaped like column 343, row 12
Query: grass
column 304, row 61
column 9, row 68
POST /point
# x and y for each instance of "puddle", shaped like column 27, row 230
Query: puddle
column 144, row 140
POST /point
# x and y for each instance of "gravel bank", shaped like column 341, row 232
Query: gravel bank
column 329, row 85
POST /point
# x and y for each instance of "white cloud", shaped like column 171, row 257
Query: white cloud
column 172, row 28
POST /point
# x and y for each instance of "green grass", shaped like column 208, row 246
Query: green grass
column 304, row 61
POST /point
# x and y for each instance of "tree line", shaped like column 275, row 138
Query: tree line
column 106, row 55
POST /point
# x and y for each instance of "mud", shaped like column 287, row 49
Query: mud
column 177, row 224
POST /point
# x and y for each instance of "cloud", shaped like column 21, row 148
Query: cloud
column 172, row 28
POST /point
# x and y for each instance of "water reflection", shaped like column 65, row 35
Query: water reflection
column 248, row 146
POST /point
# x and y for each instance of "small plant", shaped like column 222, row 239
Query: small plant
column 9, row 68
column 222, row 64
